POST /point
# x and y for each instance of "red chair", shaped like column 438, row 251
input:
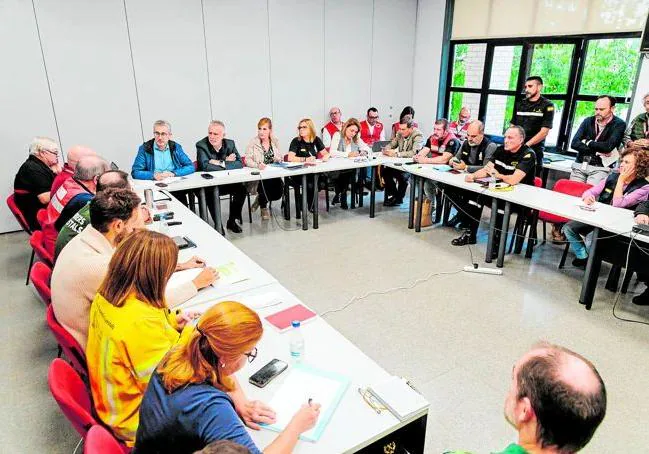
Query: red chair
column 101, row 441
column 18, row 214
column 41, row 216
column 38, row 248
column 70, row 392
column 40, row 276
column 564, row 186
column 67, row 344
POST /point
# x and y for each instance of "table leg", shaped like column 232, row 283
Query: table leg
column 360, row 187
column 287, row 200
column 589, row 281
column 218, row 222
column 373, row 191
column 532, row 238
column 352, row 203
column 503, row 235
column 411, row 202
column 305, row 206
column 202, row 205
column 492, row 229
column 316, row 202
column 544, row 176
column 420, row 204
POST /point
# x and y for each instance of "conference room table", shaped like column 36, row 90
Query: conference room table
column 355, row 426
column 616, row 221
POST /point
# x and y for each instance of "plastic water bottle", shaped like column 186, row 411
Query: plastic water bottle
column 296, row 343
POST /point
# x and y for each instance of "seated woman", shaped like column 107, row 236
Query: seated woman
column 347, row 144
column 624, row 189
column 131, row 328
column 306, row 147
column 189, row 401
column 261, row 151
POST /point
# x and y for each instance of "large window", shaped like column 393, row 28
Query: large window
column 488, row 76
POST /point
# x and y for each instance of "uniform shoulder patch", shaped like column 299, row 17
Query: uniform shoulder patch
column 528, row 155
column 550, row 108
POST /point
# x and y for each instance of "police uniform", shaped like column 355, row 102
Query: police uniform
column 532, row 116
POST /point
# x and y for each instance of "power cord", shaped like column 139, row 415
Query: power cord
column 619, row 291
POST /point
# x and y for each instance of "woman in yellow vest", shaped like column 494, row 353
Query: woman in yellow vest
column 131, row 328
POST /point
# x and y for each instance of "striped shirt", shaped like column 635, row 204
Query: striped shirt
column 125, row 344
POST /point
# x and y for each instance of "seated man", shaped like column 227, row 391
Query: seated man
column 460, row 126
column 475, row 152
column 371, row 128
column 161, row 158
column 440, row 147
column 334, row 125
column 642, row 217
column 216, row 153
column 595, row 141
column 639, row 127
column 405, row 144
column 556, row 401
column 73, row 194
column 82, row 264
column 34, row 179
column 513, row 163
column 74, row 154
column 81, row 219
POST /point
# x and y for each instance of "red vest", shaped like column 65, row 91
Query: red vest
column 66, row 173
column 66, row 192
column 331, row 129
column 435, row 142
column 365, row 132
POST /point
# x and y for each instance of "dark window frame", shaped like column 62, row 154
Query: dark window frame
column 570, row 98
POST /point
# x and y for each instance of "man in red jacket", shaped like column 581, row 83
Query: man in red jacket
column 74, row 154
column 371, row 128
column 334, row 125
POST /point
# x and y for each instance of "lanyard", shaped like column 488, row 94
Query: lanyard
column 598, row 130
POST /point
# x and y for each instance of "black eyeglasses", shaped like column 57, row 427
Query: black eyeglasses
column 373, row 117
column 251, row 355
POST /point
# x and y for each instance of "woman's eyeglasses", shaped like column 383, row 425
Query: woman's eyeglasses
column 301, row 127
column 251, row 355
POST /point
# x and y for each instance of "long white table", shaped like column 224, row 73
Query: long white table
column 355, row 426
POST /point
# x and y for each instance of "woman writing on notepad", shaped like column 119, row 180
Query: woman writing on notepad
column 131, row 328
column 347, row 144
column 194, row 399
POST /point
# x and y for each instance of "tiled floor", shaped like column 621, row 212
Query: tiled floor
column 455, row 335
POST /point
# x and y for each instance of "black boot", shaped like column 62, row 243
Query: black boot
column 343, row 201
column 467, row 237
column 233, row 226
column 642, row 299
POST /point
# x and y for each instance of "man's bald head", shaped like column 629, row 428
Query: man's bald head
column 116, row 179
column 566, row 394
column 77, row 152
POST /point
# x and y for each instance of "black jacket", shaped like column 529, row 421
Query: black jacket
column 205, row 151
column 643, row 208
column 609, row 139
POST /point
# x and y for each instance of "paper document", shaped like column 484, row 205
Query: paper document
column 398, row 397
column 260, row 301
column 229, row 273
column 304, row 383
column 607, row 161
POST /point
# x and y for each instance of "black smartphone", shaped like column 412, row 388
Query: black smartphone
column 454, row 171
column 267, row 373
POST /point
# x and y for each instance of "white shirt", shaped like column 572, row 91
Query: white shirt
column 335, row 141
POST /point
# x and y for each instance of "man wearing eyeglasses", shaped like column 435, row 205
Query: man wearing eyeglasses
column 371, row 128
column 75, row 153
column 161, row 158
column 334, row 125
column 460, row 126
column 34, row 179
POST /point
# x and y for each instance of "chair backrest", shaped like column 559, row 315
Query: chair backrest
column 40, row 275
column 538, row 182
column 18, row 214
column 69, row 344
column 101, row 441
column 71, row 394
column 41, row 217
column 37, row 243
column 195, row 165
column 576, row 188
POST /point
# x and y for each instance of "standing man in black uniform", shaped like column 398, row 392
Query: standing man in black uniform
column 535, row 115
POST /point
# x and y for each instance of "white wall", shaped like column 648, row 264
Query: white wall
column 428, row 58
column 641, row 90
column 115, row 66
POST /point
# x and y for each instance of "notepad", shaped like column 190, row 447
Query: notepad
column 442, row 167
column 229, row 274
column 304, row 383
column 399, row 397
column 261, row 301
column 282, row 319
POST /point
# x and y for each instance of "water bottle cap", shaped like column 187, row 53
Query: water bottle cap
column 295, row 323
